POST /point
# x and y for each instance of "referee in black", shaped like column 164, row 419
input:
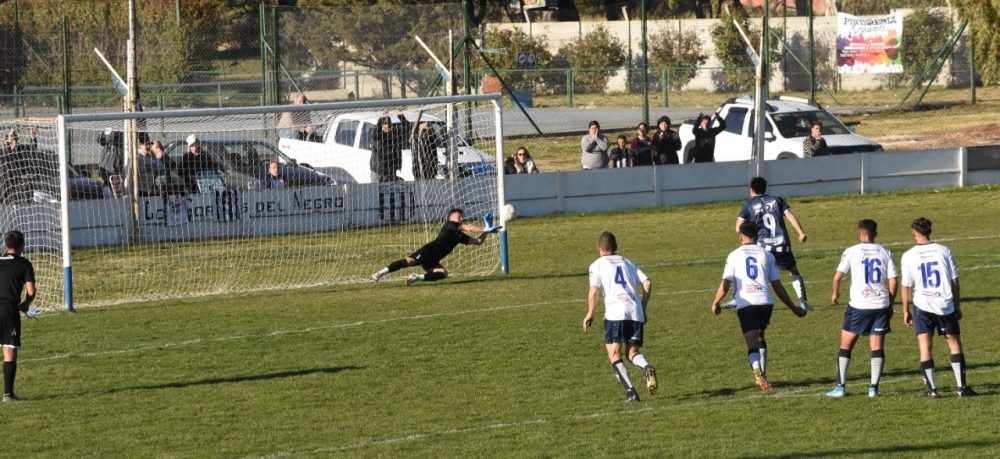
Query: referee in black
column 430, row 255
column 16, row 275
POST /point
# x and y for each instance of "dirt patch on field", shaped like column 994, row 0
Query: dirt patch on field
column 987, row 134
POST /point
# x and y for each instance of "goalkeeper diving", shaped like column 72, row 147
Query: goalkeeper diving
column 430, row 255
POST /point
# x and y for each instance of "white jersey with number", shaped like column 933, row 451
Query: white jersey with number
column 929, row 269
column 751, row 269
column 871, row 267
column 619, row 278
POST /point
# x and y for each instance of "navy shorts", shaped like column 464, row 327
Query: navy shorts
column 10, row 326
column 785, row 261
column 623, row 331
column 755, row 317
column 866, row 322
column 927, row 322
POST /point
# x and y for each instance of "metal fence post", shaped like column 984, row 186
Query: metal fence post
column 972, row 70
column 65, row 55
column 666, row 83
column 569, row 88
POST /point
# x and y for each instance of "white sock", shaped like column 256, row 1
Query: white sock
column 640, row 361
column 800, row 287
column 622, row 372
column 755, row 360
column 763, row 359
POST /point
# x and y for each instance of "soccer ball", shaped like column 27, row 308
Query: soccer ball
column 508, row 212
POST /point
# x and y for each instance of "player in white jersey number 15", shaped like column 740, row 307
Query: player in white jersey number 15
column 624, row 311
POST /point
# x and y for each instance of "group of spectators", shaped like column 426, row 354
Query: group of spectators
column 663, row 147
column 16, row 158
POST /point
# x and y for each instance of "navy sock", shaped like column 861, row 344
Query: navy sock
column 434, row 275
column 9, row 371
column 397, row 265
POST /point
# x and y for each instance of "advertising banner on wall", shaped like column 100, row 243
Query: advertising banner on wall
column 869, row 45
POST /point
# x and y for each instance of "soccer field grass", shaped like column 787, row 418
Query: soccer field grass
column 500, row 367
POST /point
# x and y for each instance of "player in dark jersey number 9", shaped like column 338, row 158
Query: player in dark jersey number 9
column 430, row 255
column 18, row 276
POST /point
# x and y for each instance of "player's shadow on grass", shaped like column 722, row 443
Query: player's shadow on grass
column 890, row 449
column 980, row 299
column 235, row 379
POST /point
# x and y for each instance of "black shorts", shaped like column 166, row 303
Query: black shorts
column 866, row 322
column 623, row 331
column 427, row 258
column 10, row 326
column 785, row 261
column 755, row 317
column 927, row 322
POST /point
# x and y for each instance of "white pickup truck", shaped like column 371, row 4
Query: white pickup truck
column 346, row 149
column 788, row 123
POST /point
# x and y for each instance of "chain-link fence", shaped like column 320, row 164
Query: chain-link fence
column 210, row 55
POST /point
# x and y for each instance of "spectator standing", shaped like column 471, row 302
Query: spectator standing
column 425, row 154
column 642, row 147
column 595, row 147
column 156, row 170
column 296, row 125
column 704, row 139
column 666, row 143
column 17, row 275
column 16, row 159
column 621, row 155
column 815, row 144
column 388, row 141
column 112, row 160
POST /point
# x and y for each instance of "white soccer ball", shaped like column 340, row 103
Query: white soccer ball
column 508, row 212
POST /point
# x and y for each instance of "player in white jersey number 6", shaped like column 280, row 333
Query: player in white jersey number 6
column 753, row 273
column 624, row 312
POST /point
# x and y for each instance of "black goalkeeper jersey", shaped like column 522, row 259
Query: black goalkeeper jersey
column 450, row 236
column 15, row 271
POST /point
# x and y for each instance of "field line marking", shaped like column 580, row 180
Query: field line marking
column 799, row 392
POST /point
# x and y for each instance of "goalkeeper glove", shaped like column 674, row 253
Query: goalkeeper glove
column 492, row 229
column 34, row 313
column 488, row 219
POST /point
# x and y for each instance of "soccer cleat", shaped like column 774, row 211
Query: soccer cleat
column 377, row 276
column 411, row 279
column 651, row 382
column 11, row 398
column 804, row 305
column 631, row 396
column 872, row 391
column 729, row 304
column 967, row 392
column 488, row 219
column 931, row 394
column 837, row 392
column 761, row 380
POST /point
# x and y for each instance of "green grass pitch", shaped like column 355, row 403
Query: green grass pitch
column 500, row 367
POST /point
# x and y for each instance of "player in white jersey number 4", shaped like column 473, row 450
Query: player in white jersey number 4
column 753, row 273
column 930, row 281
column 873, row 289
column 624, row 311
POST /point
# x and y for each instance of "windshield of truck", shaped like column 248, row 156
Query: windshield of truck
column 797, row 124
column 438, row 127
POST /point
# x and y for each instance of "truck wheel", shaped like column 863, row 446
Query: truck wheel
column 787, row 155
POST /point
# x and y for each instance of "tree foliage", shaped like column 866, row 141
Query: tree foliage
column 678, row 50
column 984, row 25
column 925, row 33
column 730, row 48
column 600, row 54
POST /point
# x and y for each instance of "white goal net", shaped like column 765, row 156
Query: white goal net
column 200, row 202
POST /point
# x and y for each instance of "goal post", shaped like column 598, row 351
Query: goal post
column 220, row 224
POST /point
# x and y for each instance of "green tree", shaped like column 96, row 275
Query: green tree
column 924, row 34
column 984, row 25
column 513, row 41
column 678, row 50
column 599, row 54
column 730, row 49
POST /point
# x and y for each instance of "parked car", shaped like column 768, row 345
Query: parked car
column 788, row 123
column 243, row 163
column 346, row 150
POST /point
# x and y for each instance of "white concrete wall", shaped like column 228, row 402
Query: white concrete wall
column 658, row 186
